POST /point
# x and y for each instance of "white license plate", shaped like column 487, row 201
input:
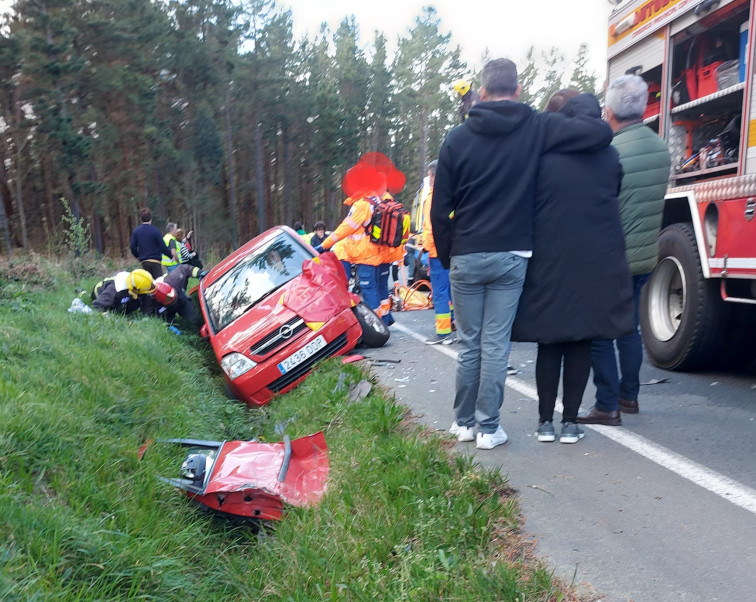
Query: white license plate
column 302, row 354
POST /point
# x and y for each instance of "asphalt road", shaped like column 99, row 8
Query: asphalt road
column 661, row 508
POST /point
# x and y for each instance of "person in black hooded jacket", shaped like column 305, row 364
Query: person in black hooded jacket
column 577, row 286
column 482, row 218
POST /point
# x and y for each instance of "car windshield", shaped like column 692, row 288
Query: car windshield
column 253, row 278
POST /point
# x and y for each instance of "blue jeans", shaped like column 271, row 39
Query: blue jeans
column 485, row 290
column 368, row 275
column 610, row 388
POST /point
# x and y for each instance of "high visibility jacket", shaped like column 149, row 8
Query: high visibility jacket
column 418, row 204
column 356, row 246
column 429, row 244
column 340, row 250
column 169, row 261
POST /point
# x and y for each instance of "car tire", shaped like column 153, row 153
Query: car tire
column 374, row 332
column 682, row 317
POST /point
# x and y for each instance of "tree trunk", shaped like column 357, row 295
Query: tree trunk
column 287, row 177
column 423, row 143
column 20, row 184
column 6, row 229
column 231, row 173
column 260, row 178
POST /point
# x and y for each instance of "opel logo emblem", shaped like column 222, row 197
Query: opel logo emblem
column 285, row 332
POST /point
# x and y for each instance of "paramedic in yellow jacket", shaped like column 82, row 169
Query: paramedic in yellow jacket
column 364, row 183
column 439, row 275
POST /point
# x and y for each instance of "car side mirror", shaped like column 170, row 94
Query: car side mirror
column 204, row 332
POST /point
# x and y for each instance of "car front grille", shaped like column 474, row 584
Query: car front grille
column 275, row 339
column 332, row 348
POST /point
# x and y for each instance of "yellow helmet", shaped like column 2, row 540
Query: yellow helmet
column 461, row 87
column 140, row 282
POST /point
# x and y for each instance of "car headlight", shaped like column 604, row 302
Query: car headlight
column 235, row 364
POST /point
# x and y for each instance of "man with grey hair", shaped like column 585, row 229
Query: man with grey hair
column 171, row 262
column 645, row 162
column 482, row 220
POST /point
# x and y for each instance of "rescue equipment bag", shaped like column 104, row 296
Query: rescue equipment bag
column 390, row 224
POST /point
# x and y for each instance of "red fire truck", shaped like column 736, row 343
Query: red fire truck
column 699, row 308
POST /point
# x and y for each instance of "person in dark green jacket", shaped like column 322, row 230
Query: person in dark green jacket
column 645, row 161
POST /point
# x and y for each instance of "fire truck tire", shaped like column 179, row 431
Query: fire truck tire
column 683, row 320
column 374, row 332
column 740, row 350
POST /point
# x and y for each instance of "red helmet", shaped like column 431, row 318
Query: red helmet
column 164, row 293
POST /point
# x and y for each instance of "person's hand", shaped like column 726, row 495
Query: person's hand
column 189, row 234
column 320, row 249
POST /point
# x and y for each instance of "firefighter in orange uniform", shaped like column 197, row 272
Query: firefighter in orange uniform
column 362, row 183
column 439, row 275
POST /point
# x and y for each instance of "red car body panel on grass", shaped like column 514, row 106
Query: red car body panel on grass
column 254, row 480
column 304, row 315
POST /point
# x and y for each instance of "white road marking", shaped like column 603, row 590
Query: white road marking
column 719, row 484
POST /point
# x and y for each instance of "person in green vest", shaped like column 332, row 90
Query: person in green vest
column 172, row 262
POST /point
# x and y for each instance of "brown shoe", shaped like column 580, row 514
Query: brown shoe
column 596, row 416
column 627, row 406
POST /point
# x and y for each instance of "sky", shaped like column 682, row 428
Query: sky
column 508, row 28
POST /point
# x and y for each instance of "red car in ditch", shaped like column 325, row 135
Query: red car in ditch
column 273, row 308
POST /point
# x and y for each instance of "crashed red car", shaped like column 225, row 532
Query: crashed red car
column 252, row 480
column 274, row 307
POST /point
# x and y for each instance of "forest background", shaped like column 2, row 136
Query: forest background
column 211, row 113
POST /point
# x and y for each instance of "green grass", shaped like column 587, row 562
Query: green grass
column 83, row 519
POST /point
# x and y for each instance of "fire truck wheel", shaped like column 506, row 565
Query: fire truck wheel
column 374, row 332
column 740, row 350
column 682, row 317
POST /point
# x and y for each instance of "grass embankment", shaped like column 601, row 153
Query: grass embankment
column 84, row 519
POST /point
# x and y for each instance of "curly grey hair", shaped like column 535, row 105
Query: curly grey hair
column 627, row 97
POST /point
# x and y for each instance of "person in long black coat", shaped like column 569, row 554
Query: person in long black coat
column 577, row 286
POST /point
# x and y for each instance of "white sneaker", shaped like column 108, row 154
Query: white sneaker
column 463, row 433
column 491, row 440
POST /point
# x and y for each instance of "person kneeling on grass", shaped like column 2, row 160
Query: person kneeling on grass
column 170, row 295
column 124, row 293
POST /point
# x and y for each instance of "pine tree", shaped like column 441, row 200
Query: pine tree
column 424, row 68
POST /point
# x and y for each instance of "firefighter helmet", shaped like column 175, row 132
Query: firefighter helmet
column 140, row 282
column 461, row 86
column 164, row 293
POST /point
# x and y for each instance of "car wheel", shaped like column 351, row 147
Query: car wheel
column 682, row 317
column 374, row 332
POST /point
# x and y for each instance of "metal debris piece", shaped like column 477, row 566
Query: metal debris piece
column 656, row 381
column 360, row 391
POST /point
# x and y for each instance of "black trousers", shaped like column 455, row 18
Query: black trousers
column 577, row 367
